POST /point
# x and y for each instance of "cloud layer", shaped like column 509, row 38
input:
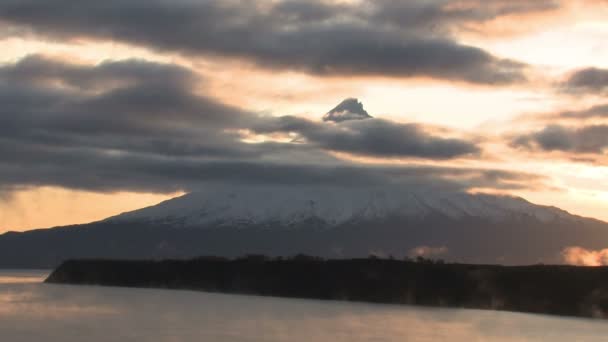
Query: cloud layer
column 588, row 80
column 374, row 138
column 388, row 38
column 142, row 126
column 588, row 139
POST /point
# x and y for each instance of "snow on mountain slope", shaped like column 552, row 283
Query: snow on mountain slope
column 220, row 205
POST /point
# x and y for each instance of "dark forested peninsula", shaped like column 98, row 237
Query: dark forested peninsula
column 558, row 290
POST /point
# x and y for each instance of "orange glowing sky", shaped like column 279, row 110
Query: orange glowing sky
column 553, row 43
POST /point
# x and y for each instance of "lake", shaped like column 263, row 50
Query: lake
column 33, row 311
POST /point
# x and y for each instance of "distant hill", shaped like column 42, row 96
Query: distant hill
column 325, row 221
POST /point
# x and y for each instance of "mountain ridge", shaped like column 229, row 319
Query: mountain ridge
column 333, row 206
column 322, row 221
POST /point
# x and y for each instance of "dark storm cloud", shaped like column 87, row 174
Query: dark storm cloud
column 121, row 106
column 588, row 139
column 387, row 139
column 589, row 81
column 391, row 38
column 81, row 169
column 140, row 126
column 36, row 69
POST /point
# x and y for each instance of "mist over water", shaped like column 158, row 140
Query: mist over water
column 32, row 311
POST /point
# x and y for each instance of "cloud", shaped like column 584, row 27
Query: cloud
column 578, row 135
column 137, row 106
column 80, row 169
column 587, row 81
column 38, row 69
column 139, row 126
column 389, row 38
column 388, row 139
column 596, row 111
column 587, row 139
column 125, row 106
column 579, row 256
column 370, row 137
column 450, row 15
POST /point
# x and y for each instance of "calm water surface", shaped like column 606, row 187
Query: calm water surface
column 32, row 311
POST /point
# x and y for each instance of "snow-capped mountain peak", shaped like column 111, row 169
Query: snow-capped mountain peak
column 330, row 206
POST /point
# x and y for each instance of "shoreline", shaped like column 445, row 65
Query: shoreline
column 554, row 290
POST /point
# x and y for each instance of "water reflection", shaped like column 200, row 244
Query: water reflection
column 23, row 276
column 33, row 312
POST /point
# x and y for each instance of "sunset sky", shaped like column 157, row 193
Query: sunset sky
column 110, row 106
